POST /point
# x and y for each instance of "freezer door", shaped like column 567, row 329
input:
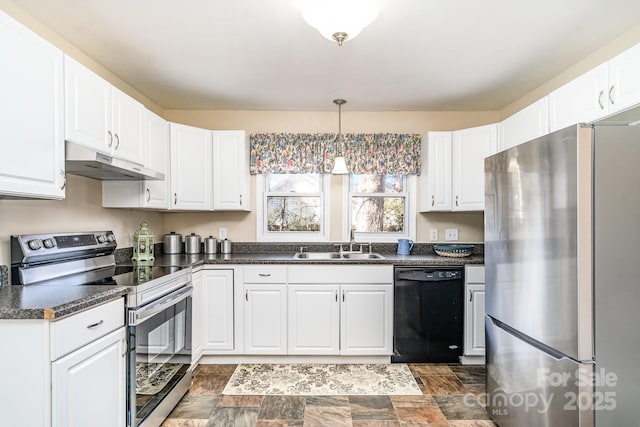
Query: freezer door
column 538, row 240
column 528, row 387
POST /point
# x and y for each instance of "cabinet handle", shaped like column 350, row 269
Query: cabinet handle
column 246, row 296
column 342, row 296
column 264, row 274
column 175, row 198
column 611, row 94
column 110, row 143
column 117, row 141
column 470, row 296
column 600, row 103
column 336, row 296
column 64, row 179
column 148, row 194
column 433, row 200
column 457, row 201
column 93, row 325
column 241, row 200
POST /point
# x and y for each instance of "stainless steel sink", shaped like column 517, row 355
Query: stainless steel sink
column 362, row 256
column 317, row 255
column 336, row 256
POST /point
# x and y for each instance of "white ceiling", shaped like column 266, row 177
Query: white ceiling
column 261, row 54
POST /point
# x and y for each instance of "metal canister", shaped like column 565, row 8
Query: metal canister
column 225, row 246
column 210, row 245
column 172, row 243
column 192, row 244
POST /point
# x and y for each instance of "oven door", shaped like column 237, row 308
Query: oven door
column 159, row 357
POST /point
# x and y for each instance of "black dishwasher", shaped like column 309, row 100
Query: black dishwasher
column 428, row 314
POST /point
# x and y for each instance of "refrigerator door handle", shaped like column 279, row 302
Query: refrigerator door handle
column 549, row 351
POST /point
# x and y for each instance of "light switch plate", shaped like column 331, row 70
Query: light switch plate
column 433, row 234
column 451, row 234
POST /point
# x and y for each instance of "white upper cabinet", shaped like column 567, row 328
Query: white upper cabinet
column 435, row 176
column 624, row 80
column 31, row 111
column 100, row 116
column 470, row 147
column 231, row 171
column 191, row 168
column 525, row 125
column 581, row 100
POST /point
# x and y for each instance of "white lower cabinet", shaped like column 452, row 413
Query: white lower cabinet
column 217, row 293
column 265, row 319
column 366, row 319
column 89, row 385
column 474, row 311
column 314, row 319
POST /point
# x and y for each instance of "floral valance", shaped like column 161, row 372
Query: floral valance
column 375, row 153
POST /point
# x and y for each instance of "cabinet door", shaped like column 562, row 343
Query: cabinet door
column 87, row 107
column 624, row 80
column 89, row 385
column 31, row 114
column 217, row 294
column 435, row 178
column 314, row 319
column 474, row 321
column 366, row 320
column 525, row 125
column 265, row 319
column 128, row 126
column 156, row 192
column 190, row 168
column 470, row 147
column 581, row 100
column 230, row 171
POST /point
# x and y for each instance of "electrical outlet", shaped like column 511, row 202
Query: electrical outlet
column 222, row 233
column 433, row 234
column 451, row 234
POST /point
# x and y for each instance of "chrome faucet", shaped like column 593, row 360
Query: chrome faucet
column 352, row 239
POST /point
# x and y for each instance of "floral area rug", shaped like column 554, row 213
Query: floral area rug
column 322, row 380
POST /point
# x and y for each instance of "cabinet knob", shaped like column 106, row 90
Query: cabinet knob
column 611, row 94
column 110, row 143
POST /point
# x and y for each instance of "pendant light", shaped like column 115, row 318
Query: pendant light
column 339, row 20
column 339, row 164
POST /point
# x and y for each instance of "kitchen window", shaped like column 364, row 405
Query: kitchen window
column 380, row 207
column 293, row 207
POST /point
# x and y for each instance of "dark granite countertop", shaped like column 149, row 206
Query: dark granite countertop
column 53, row 302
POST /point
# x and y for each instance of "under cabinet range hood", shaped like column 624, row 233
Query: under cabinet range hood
column 85, row 161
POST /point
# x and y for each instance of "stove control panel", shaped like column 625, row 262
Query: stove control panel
column 26, row 248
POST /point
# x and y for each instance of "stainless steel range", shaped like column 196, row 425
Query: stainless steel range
column 158, row 311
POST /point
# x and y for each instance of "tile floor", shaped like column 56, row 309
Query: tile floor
column 452, row 397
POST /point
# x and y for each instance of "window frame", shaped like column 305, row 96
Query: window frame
column 381, row 237
column 262, row 232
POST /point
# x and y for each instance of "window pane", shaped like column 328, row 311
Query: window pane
column 377, row 183
column 378, row 214
column 293, row 183
column 293, row 213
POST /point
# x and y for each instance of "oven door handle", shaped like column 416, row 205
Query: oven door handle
column 138, row 316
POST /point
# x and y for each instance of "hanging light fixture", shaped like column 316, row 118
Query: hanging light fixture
column 339, row 164
column 339, row 20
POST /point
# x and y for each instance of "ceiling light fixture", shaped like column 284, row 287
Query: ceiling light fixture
column 339, row 164
column 339, row 20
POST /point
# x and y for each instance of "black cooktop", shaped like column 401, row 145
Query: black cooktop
column 126, row 275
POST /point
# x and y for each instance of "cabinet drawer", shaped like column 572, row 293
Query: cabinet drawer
column 80, row 329
column 265, row 274
column 474, row 274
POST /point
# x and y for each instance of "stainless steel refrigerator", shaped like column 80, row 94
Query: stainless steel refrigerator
column 562, row 256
